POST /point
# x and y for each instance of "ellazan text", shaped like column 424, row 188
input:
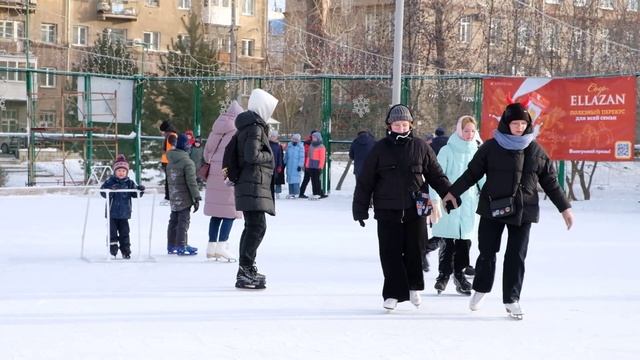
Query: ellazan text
column 589, row 100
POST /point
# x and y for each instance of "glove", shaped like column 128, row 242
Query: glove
column 196, row 206
column 140, row 187
column 299, row 169
column 229, row 182
column 361, row 222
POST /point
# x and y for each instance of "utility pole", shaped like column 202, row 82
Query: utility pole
column 30, row 139
column 397, row 52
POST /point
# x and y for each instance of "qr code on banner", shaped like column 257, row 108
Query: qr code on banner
column 623, row 150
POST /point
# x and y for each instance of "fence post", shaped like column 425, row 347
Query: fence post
column 88, row 164
column 406, row 92
column 197, row 111
column 326, row 132
column 477, row 100
column 139, row 83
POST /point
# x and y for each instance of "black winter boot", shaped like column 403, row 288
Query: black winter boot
column 441, row 282
column 113, row 248
column 463, row 287
column 470, row 271
column 425, row 263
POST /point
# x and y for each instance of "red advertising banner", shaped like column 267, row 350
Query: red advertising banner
column 575, row 119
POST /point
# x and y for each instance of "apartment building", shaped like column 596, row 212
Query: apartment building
column 61, row 32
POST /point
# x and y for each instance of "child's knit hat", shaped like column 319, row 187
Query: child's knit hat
column 120, row 163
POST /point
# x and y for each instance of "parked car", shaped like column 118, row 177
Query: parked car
column 12, row 144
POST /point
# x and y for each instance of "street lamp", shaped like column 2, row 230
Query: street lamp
column 139, row 93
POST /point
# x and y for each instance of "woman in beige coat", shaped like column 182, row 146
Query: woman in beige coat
column 219, row 197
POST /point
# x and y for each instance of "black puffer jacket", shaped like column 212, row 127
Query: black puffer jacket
column 181, row 176
column 392, row 172
column 253, row 188
column 119, row 202
column 503, row 168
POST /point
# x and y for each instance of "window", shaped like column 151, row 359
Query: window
column 11, row 29
column 632, row 5
column 153, row 39
column 80, row 35
column 606, row 4
column 154, row 3
column 577, row 42
column 184, row 4
column 185, row 40
column 47, row 79
column 550, row 37
column 47, row 119
column 523, row 35
column 225, row 3
column 49, row 33
column 9, row 121
column 465, row 29
column 8, row 75
column 224, row 44
column 579, row 3
column 248, row 47
column 247, row 7
column 116, row 35
column 552, row 1
column 495, row 32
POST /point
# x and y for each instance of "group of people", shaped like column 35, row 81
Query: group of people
column 400, row 176
column 498, row 180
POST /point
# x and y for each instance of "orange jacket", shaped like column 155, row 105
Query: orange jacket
column 316, row 157
column 168, row 145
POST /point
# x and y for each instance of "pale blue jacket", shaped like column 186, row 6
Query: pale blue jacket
column 294, row 159
column 461, row 222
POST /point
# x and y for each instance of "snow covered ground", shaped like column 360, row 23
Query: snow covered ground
column 323, row 298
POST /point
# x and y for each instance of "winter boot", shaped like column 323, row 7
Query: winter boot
column 390, row 303
column 414, row 297
column 470, row 271
column 211, row 250
column 463, row 287
column 476, row 299
column 113, row 248
column 172, row 249
column 187, row 250
column 249, row 278
column 514, row 310
column 441, row 282
column 222, row 252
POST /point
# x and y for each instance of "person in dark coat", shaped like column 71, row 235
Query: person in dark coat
column 183, row 194
column 514, row 164
column 359, row 150
column 253, row 187
column 397, row 167
column 439, row 140
column 170, row 137
column 278, row 162
column 120, row 206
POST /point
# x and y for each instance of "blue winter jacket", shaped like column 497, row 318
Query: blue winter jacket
column 461, row 222
column 119, row 202
column 294, row 159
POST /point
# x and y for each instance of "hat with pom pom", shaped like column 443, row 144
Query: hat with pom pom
column 120, row 163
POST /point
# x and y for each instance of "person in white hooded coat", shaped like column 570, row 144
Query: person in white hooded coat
column 253, row 187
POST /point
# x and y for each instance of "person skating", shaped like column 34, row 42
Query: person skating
column 170, row 137
column 397, row 169
column 219, row 200
column 514, row 164
column 253, row 187
column 456, row 229
column 183, row 194
column 294, row 162
column 314, row 163
column 359, row 150
column 120, row 207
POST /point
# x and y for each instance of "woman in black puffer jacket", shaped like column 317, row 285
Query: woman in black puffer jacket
column 397, row 167
column 514, row 164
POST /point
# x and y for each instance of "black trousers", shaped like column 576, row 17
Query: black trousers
column 166, row 182
column 178, row 228
column 400, row 246
column 489, row 235
column 305, row 181
column 119, row 233
column 255, row 226
column 315, row 181
column 454, row 255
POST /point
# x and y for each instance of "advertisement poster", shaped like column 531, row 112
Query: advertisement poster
column 589, row 119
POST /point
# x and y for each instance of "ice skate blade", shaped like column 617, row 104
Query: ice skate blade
column 251, row 287
column 515, row 316
column 463, row 292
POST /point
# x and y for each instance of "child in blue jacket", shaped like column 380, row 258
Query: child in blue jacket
column 120, row 206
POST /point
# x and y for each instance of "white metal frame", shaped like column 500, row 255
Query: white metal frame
column 139, row 258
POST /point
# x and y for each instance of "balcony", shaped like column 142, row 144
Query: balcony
column 19, row 4
column 116, row 10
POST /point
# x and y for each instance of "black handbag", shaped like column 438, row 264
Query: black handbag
column 503, row 207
